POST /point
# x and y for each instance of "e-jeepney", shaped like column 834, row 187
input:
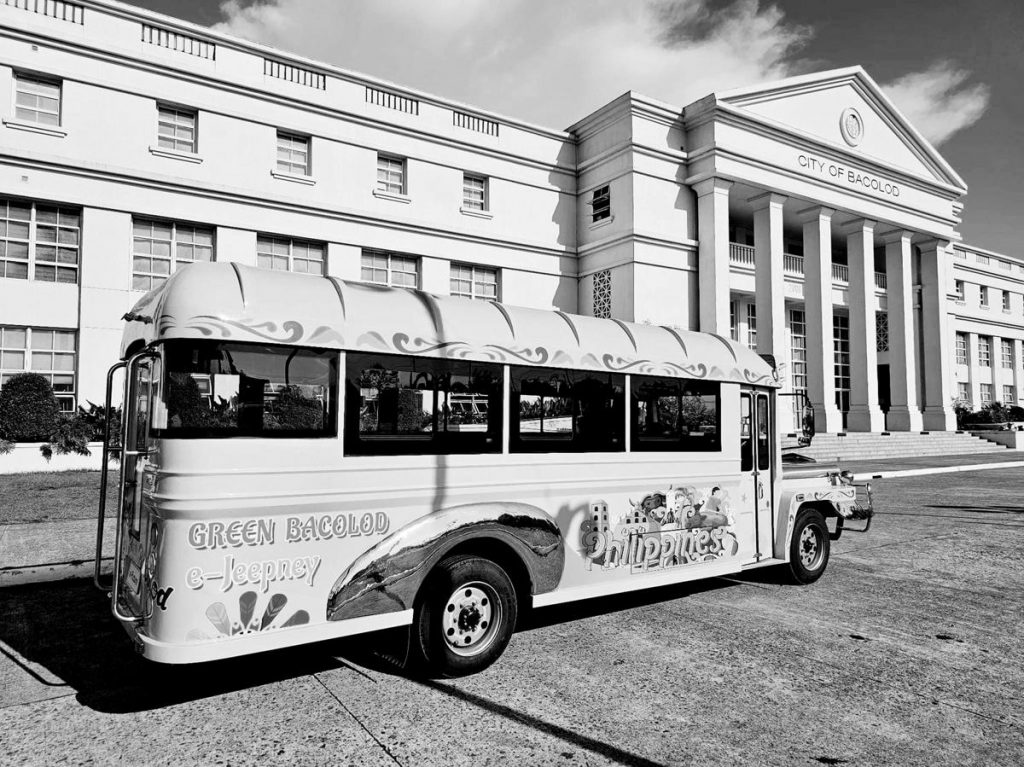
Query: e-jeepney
column 304, row 458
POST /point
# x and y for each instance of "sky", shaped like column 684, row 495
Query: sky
column 954, row 69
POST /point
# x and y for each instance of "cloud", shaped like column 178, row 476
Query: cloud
column 938, row 101
column 554, row 62
column 547, row 62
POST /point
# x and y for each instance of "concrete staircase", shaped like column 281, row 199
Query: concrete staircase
column 867, row 445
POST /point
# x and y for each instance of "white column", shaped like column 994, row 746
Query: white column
column 821, row 378
column 770, row 297
column 938, row 410
column 904, row 411
column 865, row 414
column 713, row 254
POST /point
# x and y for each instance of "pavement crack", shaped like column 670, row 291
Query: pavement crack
column 38, row 700
column 355, row 718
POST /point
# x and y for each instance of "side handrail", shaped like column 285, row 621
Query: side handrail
column 104, row 473
column 126, row 423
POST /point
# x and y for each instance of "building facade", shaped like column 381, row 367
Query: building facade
column 805, row 218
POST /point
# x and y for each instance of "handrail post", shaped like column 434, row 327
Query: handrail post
column 104, row 472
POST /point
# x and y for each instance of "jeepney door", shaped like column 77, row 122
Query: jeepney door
column 756, row 458
column 133, row 531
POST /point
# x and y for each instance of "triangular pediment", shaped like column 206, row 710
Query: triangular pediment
column 847, row 109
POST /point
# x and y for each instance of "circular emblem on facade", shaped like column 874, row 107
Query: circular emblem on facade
column 851, row 126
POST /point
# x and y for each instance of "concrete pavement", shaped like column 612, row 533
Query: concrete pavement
column 908, row 651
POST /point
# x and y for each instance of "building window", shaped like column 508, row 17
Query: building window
column 289, row 255
column 603, row 294
column 964, row 392
column 474, row 282
column 882, row 331
column 983, row 293
column 961, row 349
column 176, row 129
column 1006, row 300
column 390, row 174
column 41, row 240
column 36, row 100
column 1008, row 395
column 383, row 268
column 984, row 351
column 986, row 394
column 292, row 154
column 734, row 332
column 959, row 285
column 161, row 247
column 601, row 203
column 798, row 350
column 474, row 192
column 751, row 326
column 841, row 360
column 51, row 353
column 1006, row 347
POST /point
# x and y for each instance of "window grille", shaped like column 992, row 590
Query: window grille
column 159, row 248
column 290, row 255
column 51, row 353
column 384, row 268
column 37, row 100
column 176, row 129
column 474, row 282
column 603, row 294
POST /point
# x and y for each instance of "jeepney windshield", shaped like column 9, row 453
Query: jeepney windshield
column 216, row 389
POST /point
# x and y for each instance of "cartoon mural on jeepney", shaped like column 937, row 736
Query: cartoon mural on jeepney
column 681, row 526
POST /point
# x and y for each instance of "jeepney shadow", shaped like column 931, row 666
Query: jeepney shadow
column 64, row 630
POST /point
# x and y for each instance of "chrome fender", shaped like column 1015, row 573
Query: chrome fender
column 387, row 577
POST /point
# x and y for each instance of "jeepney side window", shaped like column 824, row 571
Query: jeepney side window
column 398, row 405
column 554, row 410
column 763, row 434
column 213, row 389
column 675, row 414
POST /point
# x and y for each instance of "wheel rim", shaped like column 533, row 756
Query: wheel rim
column 812, row 547
column 471, row 618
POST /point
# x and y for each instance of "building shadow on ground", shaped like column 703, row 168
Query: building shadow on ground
column 62, row 635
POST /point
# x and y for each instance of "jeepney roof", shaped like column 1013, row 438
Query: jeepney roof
column 226, row 301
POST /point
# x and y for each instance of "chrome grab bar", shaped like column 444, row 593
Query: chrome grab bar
column 127, row 410
column 104, row 472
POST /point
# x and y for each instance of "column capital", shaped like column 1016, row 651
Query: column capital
column 768, row 199
column 935, row 244
column 858, row 225
column 816, row 213
column 713, row 185
column 895, row 235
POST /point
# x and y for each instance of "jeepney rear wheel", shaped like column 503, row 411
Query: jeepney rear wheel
column 809, row 547
column 465, row 618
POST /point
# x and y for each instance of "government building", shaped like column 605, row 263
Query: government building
column 805, row 218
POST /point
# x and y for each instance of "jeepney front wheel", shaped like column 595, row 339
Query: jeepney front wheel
column 465, row 617
column 809, row 547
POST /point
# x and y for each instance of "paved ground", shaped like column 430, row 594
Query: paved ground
column 909, row 651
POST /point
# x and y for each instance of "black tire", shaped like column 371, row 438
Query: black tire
column 809, row 547
column 464, row 618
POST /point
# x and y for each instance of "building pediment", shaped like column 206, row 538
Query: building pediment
column 845, row 109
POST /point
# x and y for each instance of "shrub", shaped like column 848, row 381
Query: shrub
column 28, row 409
column 71, row 434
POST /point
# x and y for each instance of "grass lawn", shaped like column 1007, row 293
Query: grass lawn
column 53, row 496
